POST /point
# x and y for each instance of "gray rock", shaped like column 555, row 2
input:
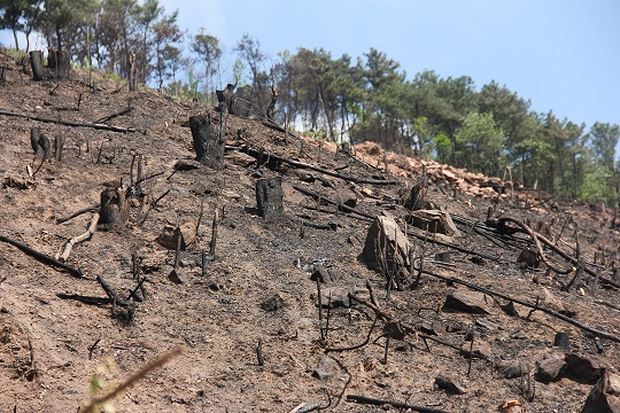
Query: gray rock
column 464, row 302
column 448, row 384
column 551, row 369
column 514, row 371
column 273, row 303
column 326, row 369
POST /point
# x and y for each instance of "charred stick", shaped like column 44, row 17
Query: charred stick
column 43, row 258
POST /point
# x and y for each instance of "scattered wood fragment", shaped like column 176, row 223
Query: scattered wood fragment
column 261, row 155
column 394, row 403
column 85, row 299
column 113, row 115
column 77, row 213
column 68, row 122
column 65, row 251
column 43, row 258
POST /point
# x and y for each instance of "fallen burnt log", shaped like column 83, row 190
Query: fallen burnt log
column 273, row 158
column 399, row 405
column 85, row 299
column 99, row 126
column 536, row 306
column 43, row 258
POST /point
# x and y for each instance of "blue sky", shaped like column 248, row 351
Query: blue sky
column 564, row 55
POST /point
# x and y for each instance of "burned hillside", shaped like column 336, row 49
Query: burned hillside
column 293, row 274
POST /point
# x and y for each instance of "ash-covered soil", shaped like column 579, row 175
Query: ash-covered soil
column 259, row 286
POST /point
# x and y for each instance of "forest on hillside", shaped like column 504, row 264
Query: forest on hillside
column 490, row 129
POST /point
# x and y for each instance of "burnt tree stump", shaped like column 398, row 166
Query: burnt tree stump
column 40, row 144
column 58, row 63
column 269, row 198
column 208, row 142
column 113, row 211
column 36, row 62
column 59, row 143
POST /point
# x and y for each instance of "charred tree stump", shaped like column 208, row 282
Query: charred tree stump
column 225, row 96
column 59, row 143
column 36, row 62
column 113, row 211
column 271, row 109
column 133, row 72
column 208, row 142
column 269, row 198
column 58, row 63
column 416, row 198
column 3, row 75
column 40, row 144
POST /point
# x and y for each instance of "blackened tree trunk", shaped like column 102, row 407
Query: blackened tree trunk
column 58, row 63
column 208, row 141
column 36, row 62
column 269, row 198
column 113, row 211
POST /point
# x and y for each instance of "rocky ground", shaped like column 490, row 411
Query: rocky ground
column 260, row 287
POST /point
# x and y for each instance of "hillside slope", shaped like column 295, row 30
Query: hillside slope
column 257, row 287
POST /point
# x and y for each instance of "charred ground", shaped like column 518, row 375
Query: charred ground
column 255, row 290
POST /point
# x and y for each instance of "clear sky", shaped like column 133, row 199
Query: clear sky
column 564, row 55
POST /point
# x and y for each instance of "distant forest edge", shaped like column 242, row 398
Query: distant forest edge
column 490, row 130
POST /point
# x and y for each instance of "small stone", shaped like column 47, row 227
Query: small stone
column 215, row 286
column 514, row 371
column 326, row 369
column 430, row 328
column 339, row 296
column 511, row 406
column 394, row 329
column 169, row 236
column 175, row 277
column 273, row 303
column 529, row 258
column 346, row 197
column 510, row 309
column 480, row 350
column 551, row 369
column 605, row 396
column 464, row 302
column 448, row 384
column 320, row 273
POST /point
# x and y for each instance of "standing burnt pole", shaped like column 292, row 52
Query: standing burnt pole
column 269, row 198
column 36, row 62
column 208, row 141
column 114, row 210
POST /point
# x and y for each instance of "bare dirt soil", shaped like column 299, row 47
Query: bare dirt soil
column 47, row 358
